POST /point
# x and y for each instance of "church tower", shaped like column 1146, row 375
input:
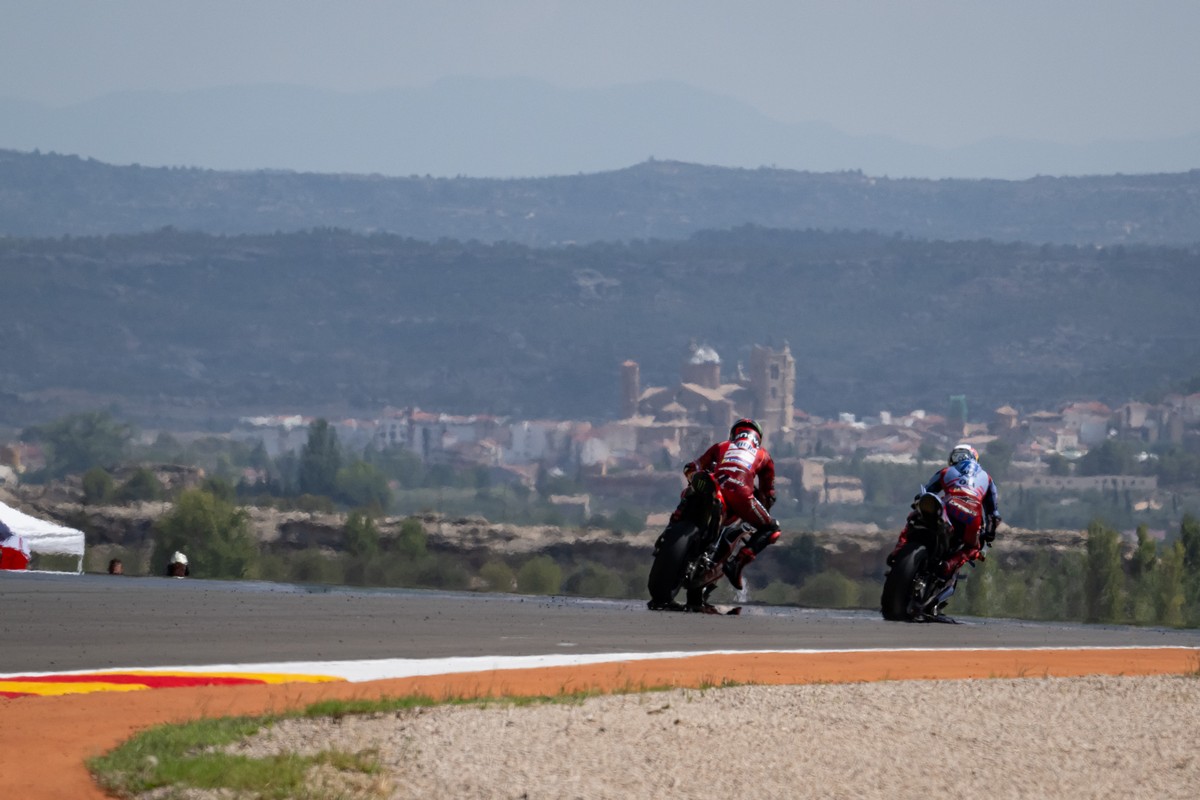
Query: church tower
column 773, row 382
column 631, row 389
column 702, row 366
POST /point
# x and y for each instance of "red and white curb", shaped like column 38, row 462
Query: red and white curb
column 140, row 678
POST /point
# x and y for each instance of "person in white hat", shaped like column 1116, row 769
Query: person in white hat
column 178, row 568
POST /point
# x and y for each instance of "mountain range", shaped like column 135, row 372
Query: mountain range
column 510, row 127
column 54, row 195
column 188, row 296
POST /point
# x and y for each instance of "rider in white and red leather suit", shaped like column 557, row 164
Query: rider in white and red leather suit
column 736, row 464
column 969, row 496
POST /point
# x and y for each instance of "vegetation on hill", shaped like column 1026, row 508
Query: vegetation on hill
column 52, row 195
column 201, row 327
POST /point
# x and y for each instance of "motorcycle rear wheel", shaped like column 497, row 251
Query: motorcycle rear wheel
column 897, row 600
column 670, row 563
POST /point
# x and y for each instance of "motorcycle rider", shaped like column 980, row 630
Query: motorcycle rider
column 736, row 463
column 969, row 497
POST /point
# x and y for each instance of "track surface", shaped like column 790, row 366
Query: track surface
column 54, row 624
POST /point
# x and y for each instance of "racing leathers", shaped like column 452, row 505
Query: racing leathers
column 737, row 464
column 970, row 498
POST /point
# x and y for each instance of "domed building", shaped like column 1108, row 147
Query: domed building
column 708, row 405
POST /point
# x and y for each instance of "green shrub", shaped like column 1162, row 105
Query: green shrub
column 411, row 542
column 362, row 537
column 313, row 566
column 979, row 595
column 98, row 486
column 539, row 575
column 215, row 536
column 829, row 589
column 275, row 568
column 778, row 593
column 142, row 486
column 443, row 572
column 363, row 485
column 1104, row 581
column 594, row 580
column 498, row 576
column 221, row 488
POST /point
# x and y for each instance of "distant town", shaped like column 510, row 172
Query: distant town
column 636, row 459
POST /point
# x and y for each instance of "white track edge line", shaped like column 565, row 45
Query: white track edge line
column 356, row 671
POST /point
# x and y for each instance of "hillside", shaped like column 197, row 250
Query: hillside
column 197, row 329
column 53, row 195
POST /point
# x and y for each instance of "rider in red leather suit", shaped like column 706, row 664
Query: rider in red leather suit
column 736, row 464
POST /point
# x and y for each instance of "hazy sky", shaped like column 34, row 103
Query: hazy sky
column 936, row 73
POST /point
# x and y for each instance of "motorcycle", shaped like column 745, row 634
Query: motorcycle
column 691, row 552
column 915, row 588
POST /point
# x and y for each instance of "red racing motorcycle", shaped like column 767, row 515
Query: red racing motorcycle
column 691, row 552
column 916, row 589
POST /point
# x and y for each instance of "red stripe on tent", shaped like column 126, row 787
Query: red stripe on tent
column 13, row 559
column 14, row 694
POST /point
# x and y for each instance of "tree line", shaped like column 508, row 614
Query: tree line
column 1150, row 583
column 323, row 310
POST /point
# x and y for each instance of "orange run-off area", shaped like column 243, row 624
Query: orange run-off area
column 49, row 735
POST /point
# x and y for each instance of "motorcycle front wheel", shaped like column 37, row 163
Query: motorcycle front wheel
column 670, row 563
column 897, row 600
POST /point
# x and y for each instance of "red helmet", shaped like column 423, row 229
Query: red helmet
column 747, row 424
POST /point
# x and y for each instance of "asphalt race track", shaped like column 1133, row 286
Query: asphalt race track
column 77, row 651
column 55, row 623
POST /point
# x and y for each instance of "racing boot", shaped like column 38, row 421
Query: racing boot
column 734, row 566
column 764, row 537
column 761, row 539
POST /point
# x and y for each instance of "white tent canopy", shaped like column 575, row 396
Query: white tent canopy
column 44, row 536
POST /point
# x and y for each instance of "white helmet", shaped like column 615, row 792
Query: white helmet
column 962, row 452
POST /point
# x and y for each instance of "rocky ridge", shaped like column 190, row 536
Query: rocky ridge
column 852, row 548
